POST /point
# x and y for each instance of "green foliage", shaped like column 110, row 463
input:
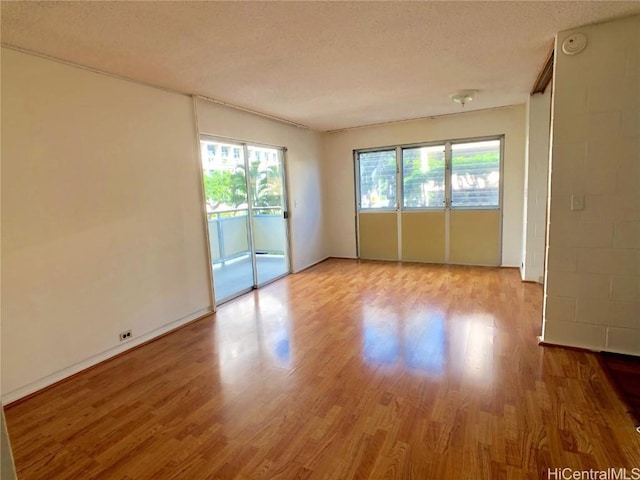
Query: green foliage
column 225, row 187
column 377, row 176
column 266, row 186
column 423, row 177
column 482, row 162
column 229, row 189
column 416, row 193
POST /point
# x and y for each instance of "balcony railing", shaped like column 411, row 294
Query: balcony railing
column 229, row 232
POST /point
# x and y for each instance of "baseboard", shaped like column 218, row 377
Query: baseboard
column 628, row 353
column 322, row 261
column 539, row 280
column 33, row 388
column 575, row 348
column 422, row 262
column 313, row 264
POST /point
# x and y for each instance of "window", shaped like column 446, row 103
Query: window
column 454, row 174
column 475, row 174
column 423, row 183
column 377, row 179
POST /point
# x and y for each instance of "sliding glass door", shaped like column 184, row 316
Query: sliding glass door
column 267, row 213
column 245, row 199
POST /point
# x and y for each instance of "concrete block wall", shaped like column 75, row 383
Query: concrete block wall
column 592, row 289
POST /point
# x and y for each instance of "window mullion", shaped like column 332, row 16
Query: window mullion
column 399, row 179
column 447, row 175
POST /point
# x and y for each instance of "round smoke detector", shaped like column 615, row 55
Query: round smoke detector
column 574, row 44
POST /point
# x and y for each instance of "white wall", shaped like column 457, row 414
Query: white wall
column 7, row 466
column 593, row 260
column 304, row 171
column 102, row 225
column 339, row 169
column 535, row 188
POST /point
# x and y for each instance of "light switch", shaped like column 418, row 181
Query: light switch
column 577, row 202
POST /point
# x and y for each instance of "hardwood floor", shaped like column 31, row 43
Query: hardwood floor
column 346, row 370
column 623, row 372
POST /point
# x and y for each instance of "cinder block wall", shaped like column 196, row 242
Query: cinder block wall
column 593, row 253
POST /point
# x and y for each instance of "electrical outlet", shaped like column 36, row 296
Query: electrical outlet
column 577, row 202
column 125, row 335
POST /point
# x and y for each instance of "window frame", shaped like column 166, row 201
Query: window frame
column 357, row 179
column 421, row 145
column 399, row 207
column 499, row 138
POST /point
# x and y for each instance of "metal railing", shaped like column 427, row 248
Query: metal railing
column 230, row 237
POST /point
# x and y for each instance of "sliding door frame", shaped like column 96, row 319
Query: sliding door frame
column 282, row 157
column 245, row 145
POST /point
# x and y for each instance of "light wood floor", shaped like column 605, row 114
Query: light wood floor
column 347, row 370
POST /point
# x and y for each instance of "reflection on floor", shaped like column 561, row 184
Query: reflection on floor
column 349, row 369
column 418, row 341
column 234, row 276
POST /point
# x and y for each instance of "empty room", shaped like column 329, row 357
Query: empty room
column 320, row 240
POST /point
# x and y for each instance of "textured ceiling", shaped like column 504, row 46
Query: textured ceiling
column 327, row 65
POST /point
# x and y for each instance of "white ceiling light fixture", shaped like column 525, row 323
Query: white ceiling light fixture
column 463, row 96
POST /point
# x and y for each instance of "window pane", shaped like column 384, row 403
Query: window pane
column 475, row 174
column 225, row 186
column 423, row 177
column 265, row 178
column 377, row 179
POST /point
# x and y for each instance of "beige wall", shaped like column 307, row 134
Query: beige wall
column 304, row 170
column 593, row 263
column 102, row 229
column 535, row 186
column 339, row 169
column 102, row 216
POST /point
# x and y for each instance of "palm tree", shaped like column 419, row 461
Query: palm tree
column 266, row 185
